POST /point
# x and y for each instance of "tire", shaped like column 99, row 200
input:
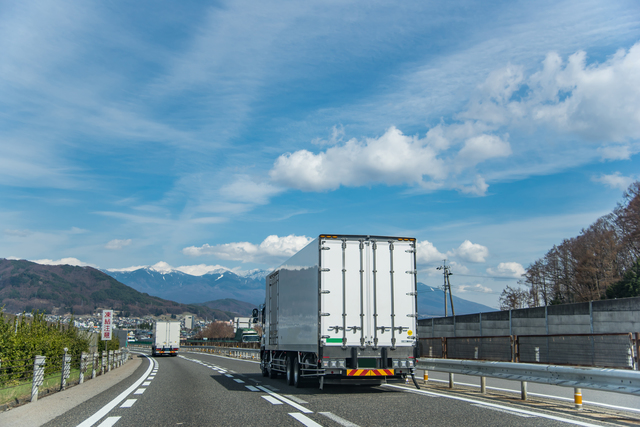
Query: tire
column 265, row 371
column 290, row 370
column 297, row 380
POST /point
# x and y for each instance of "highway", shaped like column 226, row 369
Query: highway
column 196, row 389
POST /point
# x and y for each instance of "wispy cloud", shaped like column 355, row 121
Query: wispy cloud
column 616, row 180
column 272, row 249
column 117, row 244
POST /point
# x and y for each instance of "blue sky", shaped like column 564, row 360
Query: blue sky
column 229, row 134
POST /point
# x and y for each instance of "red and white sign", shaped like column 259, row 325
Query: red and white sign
column 107, row 324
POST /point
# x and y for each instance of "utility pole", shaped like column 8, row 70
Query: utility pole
column 446, row 271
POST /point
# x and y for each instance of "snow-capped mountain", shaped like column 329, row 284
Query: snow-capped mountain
column 172, row 284
column 222, row 283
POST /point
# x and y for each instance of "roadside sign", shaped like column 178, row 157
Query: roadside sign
column 107, row 324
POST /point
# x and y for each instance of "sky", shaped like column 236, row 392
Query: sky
column 200, row 134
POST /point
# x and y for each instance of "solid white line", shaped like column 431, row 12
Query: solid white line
column 285, row 400
column 304, row 419
column 493, row 405
column 272, row 400
column 109, row 422
column 548, row 396
column 109, row 406
column 502, row 410
column 251, row 388
column 338, row 419
column 128, row 403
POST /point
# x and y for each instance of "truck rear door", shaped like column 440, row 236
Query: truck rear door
column 368, row 292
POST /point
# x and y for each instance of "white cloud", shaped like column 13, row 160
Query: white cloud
column 471, row 252
column 64, row 261
column 273, row 248
column 426, row 253
column 507, row 269
column 475, row 288
column 246, row 190
column 598, row 102
column 616, row 180
column 117, row 244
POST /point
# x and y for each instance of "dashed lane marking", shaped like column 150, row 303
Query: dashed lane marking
column 228, row 376
column 109, row 406
column 338, row 419
column 128, row 403
column 239, row 381
column 285, row 400
column 146, row 383
column 272, row 400
column 304, row 419
column 296, row 399
column 252, row 388
column 109, row 422
column 139, row 391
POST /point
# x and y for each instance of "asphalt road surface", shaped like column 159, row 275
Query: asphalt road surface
column 196, row 389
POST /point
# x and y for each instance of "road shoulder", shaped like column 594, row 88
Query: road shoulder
column 54, row 405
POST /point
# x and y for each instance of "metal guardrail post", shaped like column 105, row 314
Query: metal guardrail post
column 38, row 376
column 523, row 390
column 451, row 380
column 577, row 398
column 104, row 362
column 83, row 366
column 483, row 385
column 66, row 369
column 110, row 361
column 94, row 360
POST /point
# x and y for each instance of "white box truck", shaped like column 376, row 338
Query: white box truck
column 343, row 310
column 166, row 338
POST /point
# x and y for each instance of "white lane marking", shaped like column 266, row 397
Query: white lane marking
column 109, row 422
column 150, row 377
column 502, row 410
column 146, row 383
column 548, row 396
column 272, row 388
column 228, row 376
column 139, row 391
column 225, row 357
column 238, row 381
column 251, row 388
column 304, row 419
column 296, row 399
column 109, row 406
column 285, row 400
column 272, row 400
column 493, row 405
column 128, row 403
column 338, row 419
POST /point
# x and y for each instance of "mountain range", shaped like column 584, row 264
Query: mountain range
column 61, row 289
column 222, row 284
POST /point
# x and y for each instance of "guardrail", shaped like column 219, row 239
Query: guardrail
column 614, row 380
column 238, row 352
column 22, row 378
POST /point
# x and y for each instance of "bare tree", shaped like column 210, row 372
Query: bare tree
column 514, row 298
column 216, row 330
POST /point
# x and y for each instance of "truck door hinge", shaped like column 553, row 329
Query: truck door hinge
column 325, row 292
column 412, row 315
column 410, row 251
column 411, row 272
column 325, row 269
column 325, row 314
column 325, row 248
column 412, row 294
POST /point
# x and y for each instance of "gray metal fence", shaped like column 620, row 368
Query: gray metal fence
column 596, row 350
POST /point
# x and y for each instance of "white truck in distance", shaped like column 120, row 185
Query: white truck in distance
column 342, row 310
column 166, row 338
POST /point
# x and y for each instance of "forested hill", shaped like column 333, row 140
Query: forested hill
column 59, row 289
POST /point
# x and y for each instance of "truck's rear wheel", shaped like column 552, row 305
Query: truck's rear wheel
column 289, row 370
column 297, row 380
column 265, row 371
